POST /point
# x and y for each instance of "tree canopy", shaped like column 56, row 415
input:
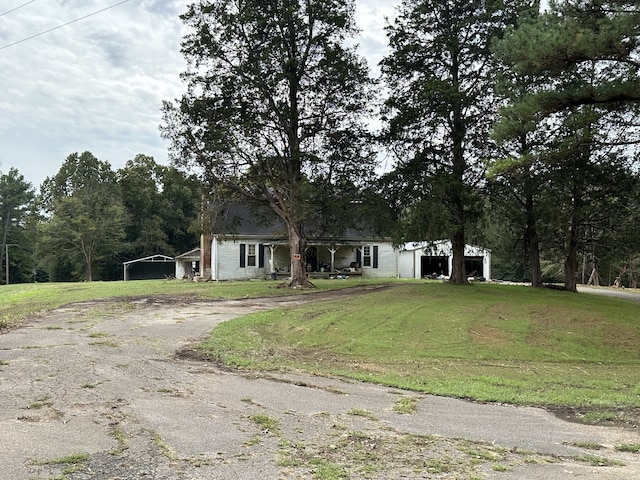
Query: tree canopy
column 274, row 106
column 440, row 75
column 87, row 217
column 16, row 197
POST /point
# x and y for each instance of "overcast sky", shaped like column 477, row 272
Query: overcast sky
column 98, row 84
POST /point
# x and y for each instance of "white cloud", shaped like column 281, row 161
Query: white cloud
column 98, row 84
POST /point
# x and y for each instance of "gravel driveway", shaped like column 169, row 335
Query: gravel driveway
column 96, row 391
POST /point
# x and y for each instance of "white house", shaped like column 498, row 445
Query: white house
column 245, row 256
column 244, row 249
column 427, row 259
column 188, row 264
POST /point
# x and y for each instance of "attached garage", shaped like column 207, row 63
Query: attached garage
column 434, row 259
column 154, row 267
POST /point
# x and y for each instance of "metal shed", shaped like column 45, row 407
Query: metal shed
column 149, row 268
column 434, row 259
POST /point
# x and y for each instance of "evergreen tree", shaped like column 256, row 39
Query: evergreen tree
column 441, row 106
column 16, row 197
column 581, row 62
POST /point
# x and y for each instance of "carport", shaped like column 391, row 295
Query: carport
column 434, row 259
column 153, row 267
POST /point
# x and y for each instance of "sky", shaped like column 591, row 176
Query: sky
column 97, row 84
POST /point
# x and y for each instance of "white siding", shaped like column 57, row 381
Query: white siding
column 387, row 262
column 225, row 260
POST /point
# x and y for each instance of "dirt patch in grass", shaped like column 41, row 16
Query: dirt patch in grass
column 488, row 335
column 626, row 417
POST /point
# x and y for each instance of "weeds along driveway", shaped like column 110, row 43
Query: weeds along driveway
column 96, row 391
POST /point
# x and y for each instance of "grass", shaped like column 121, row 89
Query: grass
column 267, row 423
column 406, row 405
column 41, row 402
column 631, row 448
column 20, row 301
column 71, row 459
column 485, row 342
column 360, row 412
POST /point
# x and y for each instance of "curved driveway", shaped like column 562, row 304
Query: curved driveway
column 95, row 391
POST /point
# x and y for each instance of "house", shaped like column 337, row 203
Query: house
column 434, row 259
column 149, row 268
column 242, row 248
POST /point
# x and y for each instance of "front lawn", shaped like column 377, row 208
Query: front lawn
column 484, row 342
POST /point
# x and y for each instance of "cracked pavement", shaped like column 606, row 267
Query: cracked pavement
column 102, row 381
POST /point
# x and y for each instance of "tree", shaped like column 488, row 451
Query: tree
column 162, row 205
column 575, row 33
column 440, row 109
column 582, row 59
column 181, row 198
column 274, row 103
column 86, row 215
column 16, row 195
column 519, row 179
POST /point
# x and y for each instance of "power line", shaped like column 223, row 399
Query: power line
column 16, row 8
column 63, row 25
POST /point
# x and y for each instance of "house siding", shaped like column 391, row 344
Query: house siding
column 229, row 259
column 411, row 255
column 386, row 262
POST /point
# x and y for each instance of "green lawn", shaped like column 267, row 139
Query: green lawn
column 486, row 342
column 20, row 301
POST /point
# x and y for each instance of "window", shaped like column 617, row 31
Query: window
column 370, row 256
column 251, row 255
column 366, row 256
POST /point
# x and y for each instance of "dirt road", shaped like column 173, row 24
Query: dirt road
column 96, row 391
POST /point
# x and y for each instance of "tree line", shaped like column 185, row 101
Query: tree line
column 88, row 219
column 504, row 126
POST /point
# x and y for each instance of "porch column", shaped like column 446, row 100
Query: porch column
column 333, row 257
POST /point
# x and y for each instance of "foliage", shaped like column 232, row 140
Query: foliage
column 273, row 108
column 87, row 218
column 567, row 132
column 439, row 112
column 16, row 198
column 162, row 206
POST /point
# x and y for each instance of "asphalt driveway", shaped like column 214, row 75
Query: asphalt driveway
column 96, row 391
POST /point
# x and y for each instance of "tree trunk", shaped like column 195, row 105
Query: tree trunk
column 88, row 260
column 88, row 272
column 458, row 273
column 297, row 247
column 571, row 262
column 4, row 244
column 534, row 257
column 533, row 245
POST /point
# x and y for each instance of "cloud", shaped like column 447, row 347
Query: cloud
column 98, row 84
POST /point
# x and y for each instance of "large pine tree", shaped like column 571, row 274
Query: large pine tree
column 582, row 59
column 441, row 106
